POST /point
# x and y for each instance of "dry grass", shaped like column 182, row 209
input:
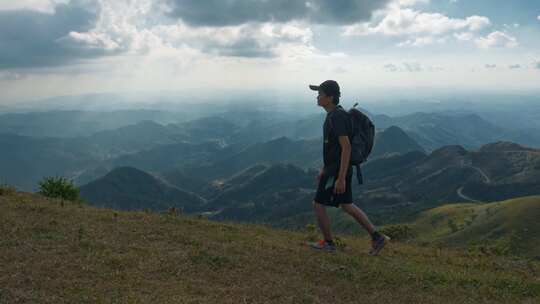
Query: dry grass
column 7, row 190
column 81, row 254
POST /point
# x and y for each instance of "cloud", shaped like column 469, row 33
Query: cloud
column 124, row 26
column 418, row 28
column 46, row 6
column 411, row 2
column 88, row 29
column 265, row 40
column 407, row 22
column 10, row 76
column 218, row 13
column 422, row 41
column 496, row 40
column 465, row 36
column 340, row 70
column 511, row 26
column 43, row 39
column 411, row 67
column 490, row 66
column 391, row 67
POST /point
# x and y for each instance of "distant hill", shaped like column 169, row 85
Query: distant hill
column 301, row 153
column 140, row 136
column 510, row 225
column 170, row 156
column 470, row 130
column 434, row 130
column 407, row 183
column 262, row 130
column 182, row 180
column 260, row 194
column 210, row 128
column 394, row 140
column 89, row 175
column 397, row 186
column 25, row 160
column 126, row 188
column 243, row 176
column 79, row 123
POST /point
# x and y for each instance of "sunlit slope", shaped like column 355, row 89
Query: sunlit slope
column 515, row 221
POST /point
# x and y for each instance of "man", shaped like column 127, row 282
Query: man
column 335, row 178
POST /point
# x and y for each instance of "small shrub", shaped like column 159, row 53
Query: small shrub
column 399, row 232
column 311, row 232
column 453, row 226
column 59, row 187
column 7, row 190
column 173, row 211
column 502, row 248
column 80, row 233
column 340, row 243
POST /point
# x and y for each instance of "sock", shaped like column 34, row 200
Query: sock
column 375, row 235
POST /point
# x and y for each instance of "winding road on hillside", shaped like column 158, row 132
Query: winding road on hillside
column 484, row 176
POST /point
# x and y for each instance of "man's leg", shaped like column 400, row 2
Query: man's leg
column 323, row 219
column 359, row 216
column 378, row 240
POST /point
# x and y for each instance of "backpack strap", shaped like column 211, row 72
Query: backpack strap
column 332, row 127
column 359, row 175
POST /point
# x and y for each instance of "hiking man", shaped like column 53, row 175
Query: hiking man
column 335, row 178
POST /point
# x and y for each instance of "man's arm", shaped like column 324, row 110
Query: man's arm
column 345, row 156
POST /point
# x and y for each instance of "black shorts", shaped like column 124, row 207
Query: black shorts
column 325, row 191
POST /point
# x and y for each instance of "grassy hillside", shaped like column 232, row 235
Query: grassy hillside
column 66, row 253
column 510, row 226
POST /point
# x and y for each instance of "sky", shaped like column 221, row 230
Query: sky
column 71, row 47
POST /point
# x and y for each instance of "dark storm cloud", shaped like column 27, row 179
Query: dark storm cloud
column 34, row 39
column 235, row 12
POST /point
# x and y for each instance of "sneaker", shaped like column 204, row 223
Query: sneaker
column 378, row 244
column 323, row 246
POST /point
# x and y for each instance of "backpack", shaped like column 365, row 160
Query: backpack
column 362, row 139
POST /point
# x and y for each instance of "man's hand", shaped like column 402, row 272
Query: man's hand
column 340, row 186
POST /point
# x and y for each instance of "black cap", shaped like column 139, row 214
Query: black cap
column 329, row 87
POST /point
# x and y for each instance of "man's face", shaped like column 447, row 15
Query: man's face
column 323, row 100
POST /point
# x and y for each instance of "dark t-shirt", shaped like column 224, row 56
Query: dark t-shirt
column 337, row 123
